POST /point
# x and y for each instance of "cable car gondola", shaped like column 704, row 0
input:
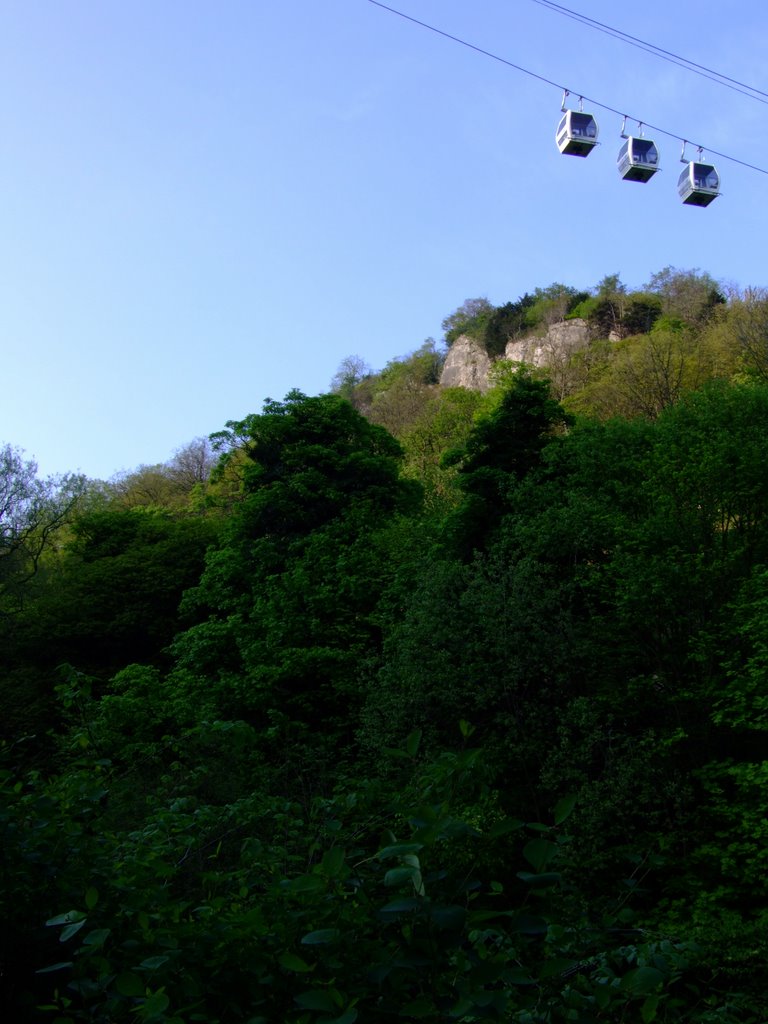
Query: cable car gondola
column 576, row 134
column 638, row 158
column 699, row 183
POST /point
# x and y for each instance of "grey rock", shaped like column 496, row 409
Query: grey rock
column 466, row 365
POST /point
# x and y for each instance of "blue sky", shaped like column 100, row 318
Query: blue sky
column 204, row 205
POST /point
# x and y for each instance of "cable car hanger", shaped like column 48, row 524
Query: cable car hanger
column 576, row 133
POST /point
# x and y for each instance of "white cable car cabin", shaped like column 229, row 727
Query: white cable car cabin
column 698, row 184
column 638, row 159
column 577, row 133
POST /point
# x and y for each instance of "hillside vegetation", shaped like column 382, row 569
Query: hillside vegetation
column 401, row 703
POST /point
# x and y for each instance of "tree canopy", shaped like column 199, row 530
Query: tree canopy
column 467, row 724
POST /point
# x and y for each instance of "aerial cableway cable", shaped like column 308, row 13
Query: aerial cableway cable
column 751, row 91
column 567, row 90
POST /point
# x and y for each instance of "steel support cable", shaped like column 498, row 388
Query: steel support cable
column 568, row 91
column 751, row 91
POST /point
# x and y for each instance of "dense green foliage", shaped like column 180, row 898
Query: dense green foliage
column 464, row 726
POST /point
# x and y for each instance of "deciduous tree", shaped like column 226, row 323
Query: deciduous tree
column 32, row 512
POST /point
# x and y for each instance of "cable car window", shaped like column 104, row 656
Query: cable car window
column 645, row 152
column 583, row 124
column 705, row 176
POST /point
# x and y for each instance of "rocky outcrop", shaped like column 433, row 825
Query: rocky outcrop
column 561, row 340
column 467, row 363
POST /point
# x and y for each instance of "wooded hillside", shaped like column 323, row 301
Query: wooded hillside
column 320, row 724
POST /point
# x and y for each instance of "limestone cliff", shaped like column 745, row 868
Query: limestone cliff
column 467, row 363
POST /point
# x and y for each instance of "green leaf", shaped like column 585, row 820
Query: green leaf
column 304, row 884
column 403, row 906
column 316, row 999
column 97, row 938
column 501, row 828
column 466, row 728
column 448, row 918
column 70, row 930
column 333, row 861
column 641, row 981
column 539, row 852
column 539, row 881
column 91, row 898
column 399, row 850
column 395, row 752
column 529, row 924
column 348, row 1017
column 129, row 984
column 648, row 1009
column 463, row 1008
column 563, row 808
column 68, row 918
column 155, row 1005
column 153, row 962
column 412, row 743
column 294, row 963
column 518, row 976
column 602, row 994
column 320, row 937
column 396, row 876
column 54, row 967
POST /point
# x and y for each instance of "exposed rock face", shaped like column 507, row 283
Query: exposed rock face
column 466, row 365
column 561, row 340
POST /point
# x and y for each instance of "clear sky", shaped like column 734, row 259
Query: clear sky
column 207, row 204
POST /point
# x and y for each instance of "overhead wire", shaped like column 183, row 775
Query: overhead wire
column 751, row 91
column 568, row 91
